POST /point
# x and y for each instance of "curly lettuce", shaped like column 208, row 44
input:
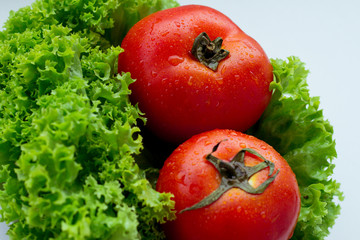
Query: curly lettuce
column 68, row 131
column 295, row 126
column 104, row 22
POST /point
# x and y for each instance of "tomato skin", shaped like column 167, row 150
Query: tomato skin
column 271, row 215
column 179, row 95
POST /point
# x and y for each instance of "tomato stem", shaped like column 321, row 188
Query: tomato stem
column 235, row 174
column 208, row 52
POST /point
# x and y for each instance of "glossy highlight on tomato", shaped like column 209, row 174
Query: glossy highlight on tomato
column 181, row 96
column 237, row 214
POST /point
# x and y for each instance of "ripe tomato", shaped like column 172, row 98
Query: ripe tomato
column 180, row 95
column 189, row 174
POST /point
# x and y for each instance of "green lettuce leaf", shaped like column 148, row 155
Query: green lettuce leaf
column 295, row 126
column 69, row 133
column 104, row 22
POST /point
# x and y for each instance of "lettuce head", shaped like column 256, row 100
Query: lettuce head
column 68, row 131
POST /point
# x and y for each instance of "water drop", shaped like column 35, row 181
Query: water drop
column 223, row 70
column 153, row 73
column 178, row 24
column 220, row 80
column 238, row 209
column 190, row 81
column 175, row 60
column 242, row 145
column 165, row 33
column 201, row 139
column 229, row 150
column 180, row 178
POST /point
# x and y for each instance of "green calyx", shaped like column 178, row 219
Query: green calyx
column 235, row 174
column 208, row 52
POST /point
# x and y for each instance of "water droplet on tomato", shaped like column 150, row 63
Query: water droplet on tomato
column 180, row 178
column 190, row 81
column 263, row 147
column 178, row 24
column 229, row 150
column 223, row 70
column 175, row 60
column 220, row 80
column 165, row 33
column 154, row 74
column 201, row 139
column 233, row 134
column 242, row 145
column 238, row 209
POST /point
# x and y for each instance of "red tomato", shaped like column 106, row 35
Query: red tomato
column 180, row 95
column 236, row 214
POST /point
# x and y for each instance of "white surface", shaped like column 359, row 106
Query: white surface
column 325, row 35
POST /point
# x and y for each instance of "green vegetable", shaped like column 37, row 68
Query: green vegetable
column 295, row 127
column 68, row 131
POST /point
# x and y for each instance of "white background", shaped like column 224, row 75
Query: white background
column 326, row 36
